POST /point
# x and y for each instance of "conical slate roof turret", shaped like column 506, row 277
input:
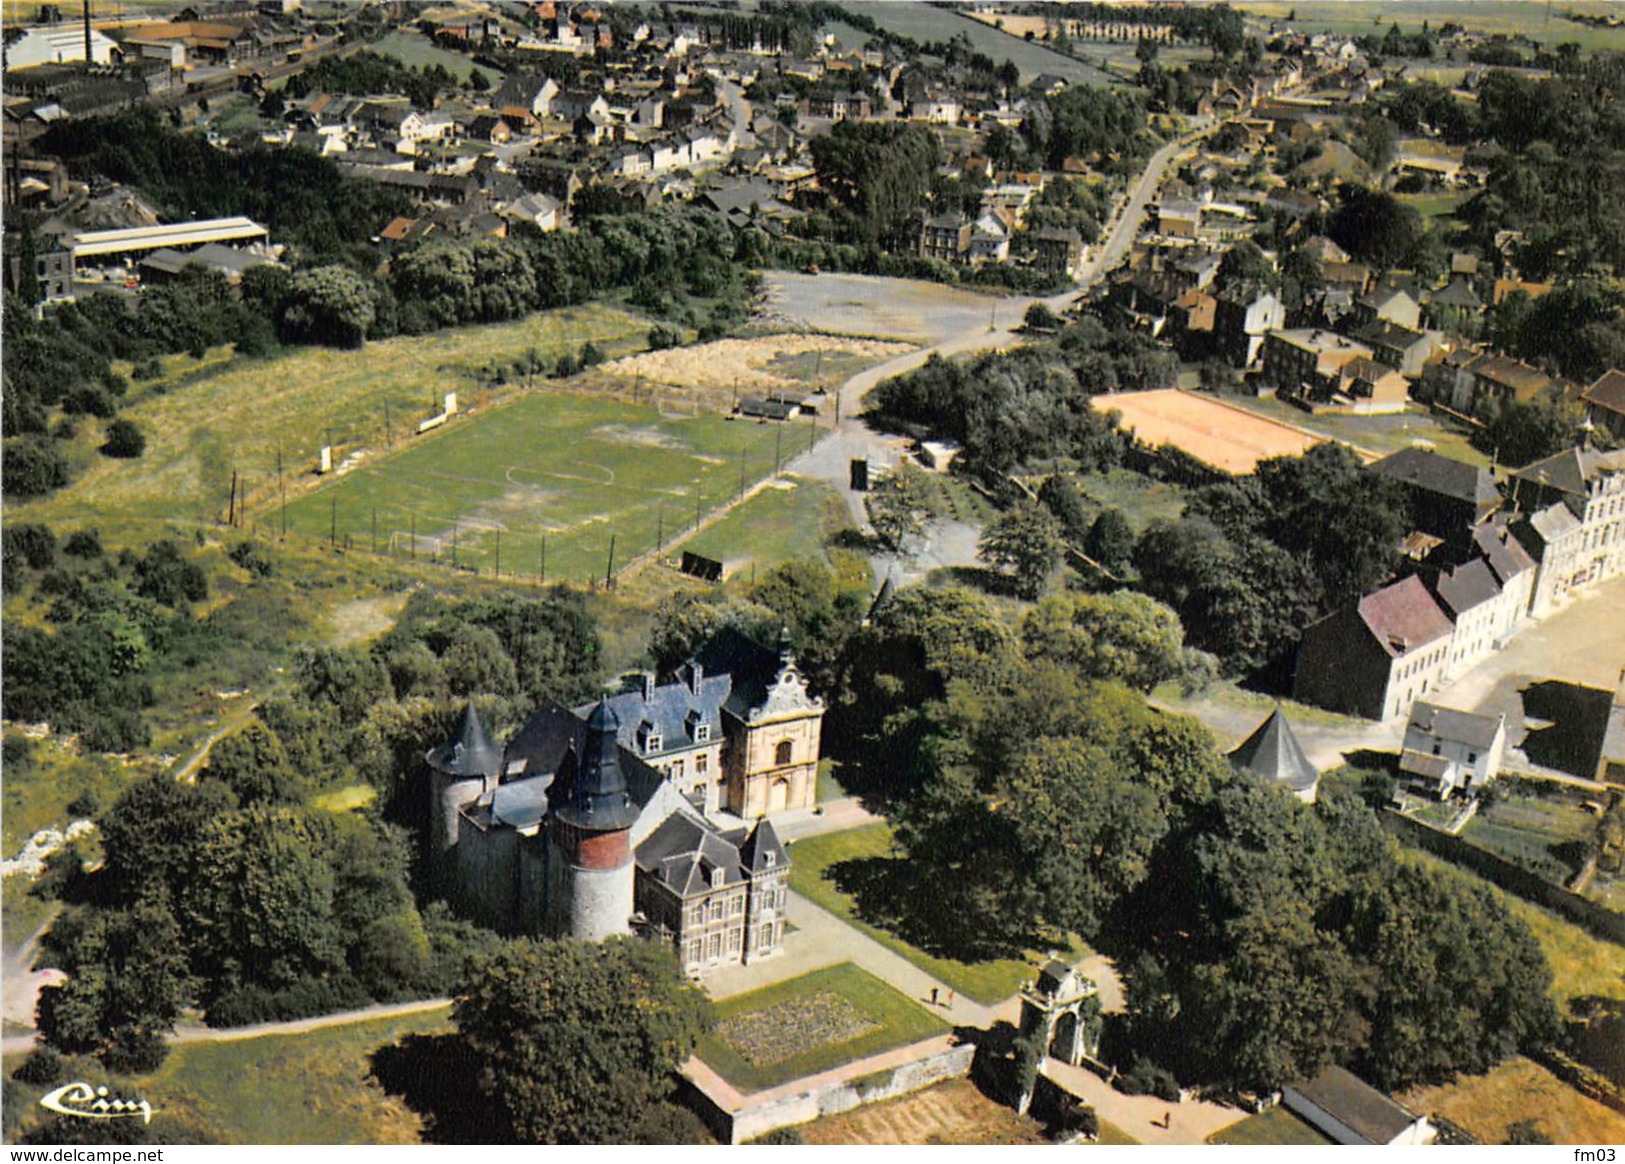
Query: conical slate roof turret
column 469, row 752
column 597, row 799
column 1273, row 753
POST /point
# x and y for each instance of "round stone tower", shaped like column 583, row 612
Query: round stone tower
column 460, row 770
column 589, row 822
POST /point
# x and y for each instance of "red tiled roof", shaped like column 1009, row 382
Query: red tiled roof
column 1404, row 616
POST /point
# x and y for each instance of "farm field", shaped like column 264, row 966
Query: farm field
column 1526, row 829
column 1515, row 1090
column 1533, row 18
column 954, row 1112
column 810, row 875
column 239, row 417
column 576, row 469
column 810, row 1024
column 927, row 23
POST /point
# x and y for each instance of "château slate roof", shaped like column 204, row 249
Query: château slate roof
column 1273, row 753
column 593, row 793
column 752, row 667
column 671, row 710
column 469, row 752
column 760, row 848
column 1471, row 584
column 685, row 852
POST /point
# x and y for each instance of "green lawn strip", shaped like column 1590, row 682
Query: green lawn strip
column 583, row 469
column 901, row 1020
column 1276, row 1126
column 1112, row 1135
column 311, row 1088
column 241, row 416
column 984, row 982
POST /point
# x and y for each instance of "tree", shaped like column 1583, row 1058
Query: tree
column 1522, row 433
column 1245, row 265
column 164, row 576
column 151, row 833
column 329, row 305
column 1059, row 493
column 253, row 765
column 1374, row 226
column 1124, row 636
column 124, row 439
column 1024, row 541
column 478, row 82
column 577, row 1042
column 1110, row 540
column 878, row 172
column 34, row 466
column 900, row 504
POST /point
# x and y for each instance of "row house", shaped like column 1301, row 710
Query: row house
column 1242, row 320
column 1574, row 523
column 1398, row 346
column 945, row 237
column 1376, row 657
column 1488, row 381
column 1297, row 359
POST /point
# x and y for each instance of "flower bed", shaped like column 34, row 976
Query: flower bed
column 797, row 1025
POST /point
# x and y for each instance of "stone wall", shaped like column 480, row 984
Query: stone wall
column 786, row 1106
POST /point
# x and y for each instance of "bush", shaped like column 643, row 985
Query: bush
column 251, row 558
column 119, row 730
column 124, row 439
column 135, row 1053
column 16, row 752
column 83, row 543
column 42, row 1068
column 1146, row 1078
column 148, row 369
column 591, row 355
column 780, row 1136
column 28, row 543
column 662, row 337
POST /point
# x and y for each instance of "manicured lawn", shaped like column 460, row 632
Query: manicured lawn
column 582, row 470
column 891, row 1020
column 1519, row 1090
column 237, row 418
column 1276, row 1126
column 811, row 858
column 829, row 782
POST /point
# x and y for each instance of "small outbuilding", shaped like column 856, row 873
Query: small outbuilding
column 1272, row 753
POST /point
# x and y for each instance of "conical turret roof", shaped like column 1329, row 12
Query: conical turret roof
column 1273, row 753
column 597, row 799
column 469, row 752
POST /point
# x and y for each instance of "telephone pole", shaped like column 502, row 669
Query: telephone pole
column 609, row 567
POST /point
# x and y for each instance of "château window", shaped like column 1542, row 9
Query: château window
column 702, row 764
column 783, row 753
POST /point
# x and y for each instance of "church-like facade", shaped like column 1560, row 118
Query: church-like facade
column 644, row 812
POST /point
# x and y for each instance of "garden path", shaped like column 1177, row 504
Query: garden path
column 1142, row 1116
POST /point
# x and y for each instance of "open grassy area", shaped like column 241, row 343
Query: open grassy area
column 1436, row 204
column 1275, row 1126
column 1141, row 499
column 1380, row 435
column 811, row 860
column 786, row 1018
column 791, row 518
column 1518, row 1089
column 954, row 1112
column 927, row 23
column 579, row 469
column 415, row 49
column 239, row 417
column 1533, row 18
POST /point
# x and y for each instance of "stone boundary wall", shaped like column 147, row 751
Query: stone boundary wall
column 1604, row 923
column 789, row 1104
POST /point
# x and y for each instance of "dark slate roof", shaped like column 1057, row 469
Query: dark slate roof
column 684, row 852
column 1428, row 471
column 1458, row 294
column 1504, row 553
column 1273, row 752
column 673, row 710
column 1356, row 1104
column 1051, row 975
column 752, row 667
column 1608, row 392
column 1446, row 723
column 469, row 752
column 1404, row 616
column 1384, row 334
column 593, row 793
column 760, row 849
column 1471, row 584
column 553, row 738
column 1571, row 470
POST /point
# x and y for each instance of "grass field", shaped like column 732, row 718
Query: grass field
column 240, row 416
column 580, row 469
column 894, row 1021
column 1377, row 434
column 811, row 857
column 417, row 50
column 1276, row 1126
column 1141, row 499
column 789, row 519
column 1438, row 204
column 1519, row 1090
column 1533, row 18
column 927, row 24
column 954, row 1112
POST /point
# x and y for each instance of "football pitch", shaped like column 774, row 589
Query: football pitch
column 545, row 483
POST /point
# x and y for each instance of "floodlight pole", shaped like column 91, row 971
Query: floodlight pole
column 609, row 567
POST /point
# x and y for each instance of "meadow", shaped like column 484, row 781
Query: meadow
column 927, row 23
column 1533, row 18
column 246, row 415
column 576, row 470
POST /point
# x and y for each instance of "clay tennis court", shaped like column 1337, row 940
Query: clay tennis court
column 1219, row 435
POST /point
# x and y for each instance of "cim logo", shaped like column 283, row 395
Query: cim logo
column 85, row 1102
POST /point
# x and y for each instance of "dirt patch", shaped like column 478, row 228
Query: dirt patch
column 775, row 363
column 364, row 619
column 649, row 438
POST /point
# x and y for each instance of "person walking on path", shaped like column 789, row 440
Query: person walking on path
column 933, row 996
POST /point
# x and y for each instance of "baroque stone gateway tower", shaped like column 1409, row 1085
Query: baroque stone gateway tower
column 648, row 811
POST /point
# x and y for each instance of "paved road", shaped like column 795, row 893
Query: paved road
column 954, row 544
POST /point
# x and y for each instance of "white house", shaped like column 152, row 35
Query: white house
column 1448, row 751
column 1575, row 527
column 1348, row 1110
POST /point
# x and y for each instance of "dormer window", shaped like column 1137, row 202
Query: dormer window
column 702, row 733
column 649, row 741
column 769, row 858
column 652, row 742
column 719, row 876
